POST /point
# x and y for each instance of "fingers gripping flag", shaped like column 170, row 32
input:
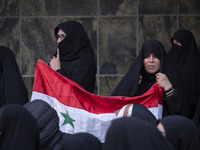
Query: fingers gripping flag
column 81, row 111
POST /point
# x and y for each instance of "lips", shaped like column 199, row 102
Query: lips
column 151, row 66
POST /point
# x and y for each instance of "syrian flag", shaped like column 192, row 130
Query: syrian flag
column 81, row 111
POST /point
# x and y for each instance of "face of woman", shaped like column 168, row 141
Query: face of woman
column 151, row 64
column 60, row 36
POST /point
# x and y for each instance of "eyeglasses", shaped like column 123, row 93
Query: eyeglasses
column 61, row 37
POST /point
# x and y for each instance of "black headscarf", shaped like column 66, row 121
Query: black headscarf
column 19, row 130
column 141, row 112
column 12, row 87
column 76, row 55
column 128, row 86
column 50, row 135
column 181, row 132
column 185, row 62
column 83, row 141
column 130, row 133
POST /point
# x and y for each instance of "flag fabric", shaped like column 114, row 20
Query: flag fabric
column 81, row 111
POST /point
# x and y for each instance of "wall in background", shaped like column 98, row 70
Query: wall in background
column 116, row 28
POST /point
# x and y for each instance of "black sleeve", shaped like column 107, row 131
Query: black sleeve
column 172, row 105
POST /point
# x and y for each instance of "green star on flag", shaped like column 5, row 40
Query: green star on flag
column 68, row 119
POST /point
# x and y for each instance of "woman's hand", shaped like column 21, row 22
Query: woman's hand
column 55, row 62
column 163, row 81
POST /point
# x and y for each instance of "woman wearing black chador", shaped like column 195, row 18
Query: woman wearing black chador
column 74, row 58
column 148, row 69
column 184, row 59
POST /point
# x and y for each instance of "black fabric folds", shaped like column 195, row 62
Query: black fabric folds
column 76, row 55
column 83, row 141
column 184, row 61
column 12, row 87
column 51, row 138
column 130, row 133
column 196, row 118
column 19, row 130
column 181, row 132
column 128, row 86
column 141, row 112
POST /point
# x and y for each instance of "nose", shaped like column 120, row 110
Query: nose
column 58, row 40
column 151, row 59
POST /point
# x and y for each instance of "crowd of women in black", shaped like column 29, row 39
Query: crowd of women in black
column 26, row 125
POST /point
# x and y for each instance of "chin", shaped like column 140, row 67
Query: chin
column 151, row 72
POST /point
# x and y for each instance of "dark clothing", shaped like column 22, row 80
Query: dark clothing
column 129, row 85
column 76, row 55
column 19, row 130
column 141, row 112
column 131, row 133
column 172, row 105
column 51, row 138
column 83, row 141
column 185, row 61
column 196, row 118
column 181, row 132
column 12, row 87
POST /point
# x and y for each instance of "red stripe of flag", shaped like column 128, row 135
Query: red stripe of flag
column 69, row 93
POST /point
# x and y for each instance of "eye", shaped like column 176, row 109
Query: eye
column 148, row 56
column 62, row 36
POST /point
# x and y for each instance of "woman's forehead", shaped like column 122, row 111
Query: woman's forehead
column 60, row 31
